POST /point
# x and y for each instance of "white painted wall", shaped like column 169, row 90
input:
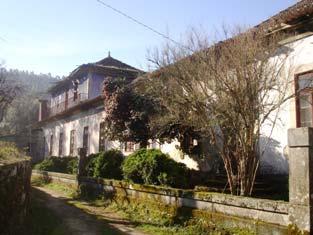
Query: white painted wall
column 275, row 158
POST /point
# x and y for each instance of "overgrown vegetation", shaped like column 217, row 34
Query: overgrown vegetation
column 9, row 152
column 154, row 167
column 66, row 165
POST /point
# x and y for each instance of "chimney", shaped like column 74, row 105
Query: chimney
column 43, row 109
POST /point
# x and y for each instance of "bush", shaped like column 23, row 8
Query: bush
column 154, row 167
column 108, row 165
column 66, row 165
column 90, row 164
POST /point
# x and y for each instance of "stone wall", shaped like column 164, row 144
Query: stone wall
column 268, row 216
column 14, row 196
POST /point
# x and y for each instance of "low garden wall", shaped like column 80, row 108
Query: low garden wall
column 261, row 215
column 14, row 195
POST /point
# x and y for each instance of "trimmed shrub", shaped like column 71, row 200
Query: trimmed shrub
column 154, row 167
column 66, row 165
column 108, row 165
column 91, row 163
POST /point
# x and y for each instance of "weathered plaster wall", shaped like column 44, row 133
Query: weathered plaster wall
column 274, row 141
column 77, row 122
column 14, row 196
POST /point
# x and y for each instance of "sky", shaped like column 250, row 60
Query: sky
column 56, row 36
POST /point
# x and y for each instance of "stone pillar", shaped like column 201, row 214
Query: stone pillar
column 81, row 162
column 300, row 142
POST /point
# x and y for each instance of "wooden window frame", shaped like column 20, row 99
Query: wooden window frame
column 298, row 94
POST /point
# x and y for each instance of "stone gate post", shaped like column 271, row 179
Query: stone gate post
column 300, row 142
column 81, row 162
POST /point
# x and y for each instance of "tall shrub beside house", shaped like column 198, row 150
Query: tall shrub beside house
column 108, row 164
column 154, row 167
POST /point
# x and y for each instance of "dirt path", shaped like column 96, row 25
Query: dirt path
column 78, row 221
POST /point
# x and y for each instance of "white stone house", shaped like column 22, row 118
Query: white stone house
column 72, row 117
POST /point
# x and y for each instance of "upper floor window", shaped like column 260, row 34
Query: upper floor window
column 61, row 144
column 75, row 89
column 304, row 99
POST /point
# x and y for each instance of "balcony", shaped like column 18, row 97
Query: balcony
column 67, row 104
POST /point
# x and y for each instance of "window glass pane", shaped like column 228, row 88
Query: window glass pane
column 306, row 115
column 305, row 101
column 305, row 81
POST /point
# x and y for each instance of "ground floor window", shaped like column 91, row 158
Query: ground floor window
column 72, row 142
column 304, row 99
column 129, row 146
column 86, row 138
column 51, row 145
column 102, row 141
column 61, row 144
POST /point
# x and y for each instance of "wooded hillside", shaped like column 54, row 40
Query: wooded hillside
column 24, row 110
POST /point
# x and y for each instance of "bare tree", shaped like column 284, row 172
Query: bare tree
column 227, row 91
column 8, row 91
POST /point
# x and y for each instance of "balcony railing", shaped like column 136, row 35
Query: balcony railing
column 68, row 103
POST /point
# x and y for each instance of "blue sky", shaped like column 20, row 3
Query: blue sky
column 56, row 36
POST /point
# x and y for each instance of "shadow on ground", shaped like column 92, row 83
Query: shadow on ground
column 80, row 222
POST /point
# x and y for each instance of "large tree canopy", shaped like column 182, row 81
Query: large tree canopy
column 127, row 112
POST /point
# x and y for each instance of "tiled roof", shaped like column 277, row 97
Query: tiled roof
column 108, row 67
column 301, row 9
column 111, row 62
